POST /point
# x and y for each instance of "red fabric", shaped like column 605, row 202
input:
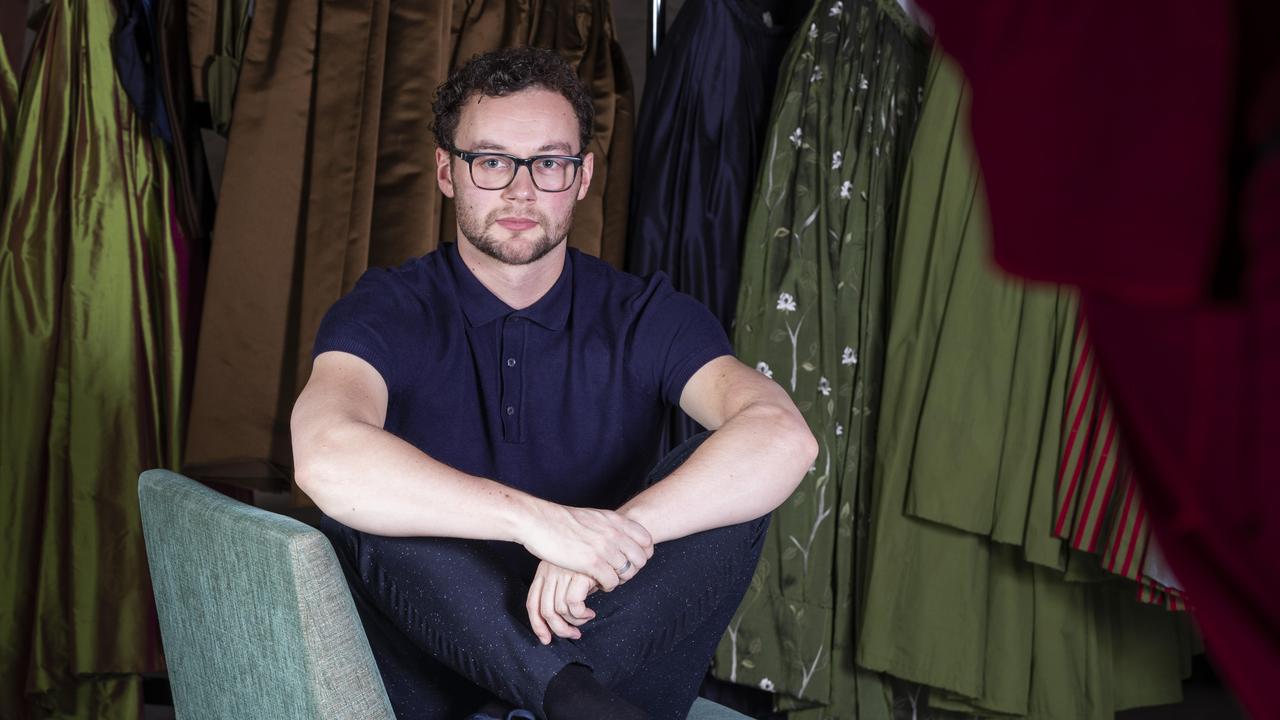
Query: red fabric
column 1196, row 392
column 1105, row 132
column 1102, row 129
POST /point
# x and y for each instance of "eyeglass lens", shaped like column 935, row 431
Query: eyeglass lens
column 550, row 174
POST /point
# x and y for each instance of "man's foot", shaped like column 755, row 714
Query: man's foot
column 516, row 714
column 574, row 694
column 498, row 709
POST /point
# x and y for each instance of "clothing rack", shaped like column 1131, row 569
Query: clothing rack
column 657, row 27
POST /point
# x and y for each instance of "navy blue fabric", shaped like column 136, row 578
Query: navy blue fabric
column 563, row 399
column 446, row 618
column 133, row 47
column 699, row 138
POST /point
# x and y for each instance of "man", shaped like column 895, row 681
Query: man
column 479, row 423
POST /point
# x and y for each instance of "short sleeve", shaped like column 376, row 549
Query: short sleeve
column 370, row 322
column 676, row 336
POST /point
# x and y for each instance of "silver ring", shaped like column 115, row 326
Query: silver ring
column 625, row 567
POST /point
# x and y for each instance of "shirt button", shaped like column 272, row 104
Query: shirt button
column 511, row 362
column 511, row 410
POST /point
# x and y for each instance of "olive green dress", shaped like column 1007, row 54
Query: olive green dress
column 811, row 315
column 969, row 591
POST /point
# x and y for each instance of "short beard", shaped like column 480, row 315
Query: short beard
column 507, row 252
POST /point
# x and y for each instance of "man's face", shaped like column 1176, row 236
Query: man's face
column 519, row 224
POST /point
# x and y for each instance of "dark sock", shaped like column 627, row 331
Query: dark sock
column 496, row 707
column 574, row 694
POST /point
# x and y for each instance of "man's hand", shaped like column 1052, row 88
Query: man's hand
column 604, row 545
column 557, row 602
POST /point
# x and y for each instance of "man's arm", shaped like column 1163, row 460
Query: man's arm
column 760, row 451
column 371, row 480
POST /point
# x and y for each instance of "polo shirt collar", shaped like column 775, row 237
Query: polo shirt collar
column 481, row 306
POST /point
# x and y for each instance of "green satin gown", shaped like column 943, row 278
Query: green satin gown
column 92, row 365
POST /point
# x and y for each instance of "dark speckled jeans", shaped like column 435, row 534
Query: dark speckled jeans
column 447, row 623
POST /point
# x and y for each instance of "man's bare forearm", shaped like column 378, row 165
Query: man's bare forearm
column 372, row 481
column 744, row 470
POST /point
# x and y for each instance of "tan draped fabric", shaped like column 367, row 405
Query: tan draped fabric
column 330, row 170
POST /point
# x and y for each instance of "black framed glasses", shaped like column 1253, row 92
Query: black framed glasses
column 495, row 171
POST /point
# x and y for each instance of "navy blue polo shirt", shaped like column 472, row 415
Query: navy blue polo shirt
column 564, row 399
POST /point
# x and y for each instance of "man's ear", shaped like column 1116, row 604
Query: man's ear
column 444, row 171
column 588, row 169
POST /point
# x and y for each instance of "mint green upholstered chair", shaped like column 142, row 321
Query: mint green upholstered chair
column 255, row 614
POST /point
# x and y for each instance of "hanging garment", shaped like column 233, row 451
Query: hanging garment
column 218, row 32
column 237, row 406
column 698, row 143
column 331, row 169
column 133, row 47
column 193, row 188
column 811, row 315
column 1099, row 509
column 92, row 368
column 1166, row 219
column 967, row 460
column 13, row 28
column 8, row 107
column 979, row 431
column 150, row 50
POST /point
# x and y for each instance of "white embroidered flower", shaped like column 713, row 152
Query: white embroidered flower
column 824, row 387
column 763, row 367
column 786, row 302
column 839, row 429
column 795, row 137
column 849, row 357
column 862, row 82
column 837, row 159
column 846, row 189
column 815, row 76
column 813, row 31
column 836, row 9
column 766, row 684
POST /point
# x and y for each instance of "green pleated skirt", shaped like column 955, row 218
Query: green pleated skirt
column 969, row 591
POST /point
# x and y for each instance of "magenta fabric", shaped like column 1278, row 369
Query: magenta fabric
column 1125, row 146
column 1102, row 129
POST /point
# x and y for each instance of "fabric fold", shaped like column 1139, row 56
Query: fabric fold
column 90, row 320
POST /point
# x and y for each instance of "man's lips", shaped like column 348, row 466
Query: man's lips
column 517, row 224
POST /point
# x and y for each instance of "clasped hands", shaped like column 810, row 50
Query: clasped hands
column 582, row 550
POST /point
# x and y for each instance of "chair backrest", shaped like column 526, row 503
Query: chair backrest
column 256, row 617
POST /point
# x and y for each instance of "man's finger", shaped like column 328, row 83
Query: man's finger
column 576, row 597
column 562, row 628
column 548, row 608
column 560, row 603
column 532, row 605
column 605, row 575
column 634, row 557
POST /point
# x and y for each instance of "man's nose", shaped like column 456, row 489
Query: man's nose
column 521, row 187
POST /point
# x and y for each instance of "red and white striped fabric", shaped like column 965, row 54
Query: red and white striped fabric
column 1099, row 507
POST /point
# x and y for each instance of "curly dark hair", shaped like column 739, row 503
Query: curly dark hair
column 506, row 71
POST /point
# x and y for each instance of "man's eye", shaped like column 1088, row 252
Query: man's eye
column 492, row 163
column 550, row 164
